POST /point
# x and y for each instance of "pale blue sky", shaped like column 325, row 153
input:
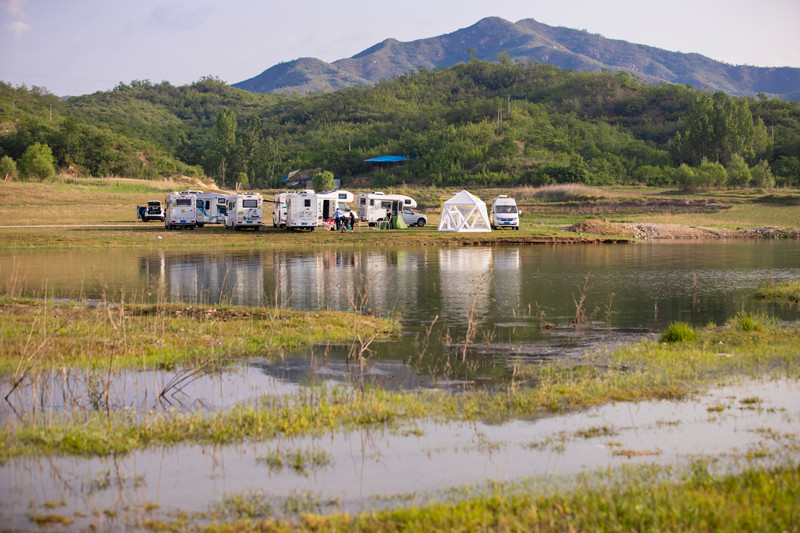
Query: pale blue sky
column 75, row 47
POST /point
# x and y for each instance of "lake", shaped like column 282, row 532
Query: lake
column 480, row 310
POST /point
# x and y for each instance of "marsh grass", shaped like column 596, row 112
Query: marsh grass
column 789, row 290
column 631, row 498
column 643, row 371
column 45, row 334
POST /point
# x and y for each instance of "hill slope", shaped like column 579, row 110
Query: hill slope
column 526, row 40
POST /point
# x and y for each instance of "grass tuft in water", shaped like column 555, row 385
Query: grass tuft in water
column 678, row 332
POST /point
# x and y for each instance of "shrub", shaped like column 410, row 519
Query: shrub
column 678, row 332
column 8, row 168
column 747, row 322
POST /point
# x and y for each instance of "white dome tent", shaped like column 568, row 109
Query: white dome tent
column 464, row 212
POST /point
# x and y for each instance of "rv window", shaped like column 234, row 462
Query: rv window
column 307, row 202
column 199, row 203
column 386, row 205
column 183, row 202
column 342, row 196
column 208, row 204
column 249, row 203
column 407, row 201
column 371, row 202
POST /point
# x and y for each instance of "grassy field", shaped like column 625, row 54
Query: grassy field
column 110, row 206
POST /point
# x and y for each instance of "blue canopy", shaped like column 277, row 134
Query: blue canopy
column 387, row 159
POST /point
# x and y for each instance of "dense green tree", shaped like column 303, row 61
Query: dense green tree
column 225, row 146
column 8, row 168
column 738, row 172
column 324, row 181
column 711, row 175
column 685, row 177
column 37, row 162
column 762, row 175
column 718, row 127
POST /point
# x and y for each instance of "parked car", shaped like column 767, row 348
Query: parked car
column 414, row 219
column 152, row 211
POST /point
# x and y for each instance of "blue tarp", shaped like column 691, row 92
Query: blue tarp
column 387, row 159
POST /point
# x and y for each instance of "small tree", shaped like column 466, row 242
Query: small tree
column 738, row 172
column 8, row 168
column 762, row 175
column 243, row 181
column 323, row 181
column 685, row 178
column 712, row 174
column 37, row 161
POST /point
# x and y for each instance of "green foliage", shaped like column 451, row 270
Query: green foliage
column 37, row 162
column 678, row 332
column 8, row 168
column 324, row 181
column 762, row 175
column 476, row 123
column 738, row 172
column 747, row 322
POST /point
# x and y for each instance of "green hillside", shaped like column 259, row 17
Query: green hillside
column 504, row 123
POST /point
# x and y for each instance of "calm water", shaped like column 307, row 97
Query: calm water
column 619, row 293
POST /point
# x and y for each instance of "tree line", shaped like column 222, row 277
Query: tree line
column 477, row 123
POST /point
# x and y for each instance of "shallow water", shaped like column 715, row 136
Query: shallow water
column 625, row 292
column 367, row 468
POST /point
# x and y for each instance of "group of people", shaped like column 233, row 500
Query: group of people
column 344, row 222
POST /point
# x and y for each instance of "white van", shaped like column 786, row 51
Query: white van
column 372, row 206
column 211, row 208
column 245, row 210
column 180, row 210
column 504, row 213
column 302, row 211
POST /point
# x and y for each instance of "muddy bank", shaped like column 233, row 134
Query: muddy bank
column 642, row 230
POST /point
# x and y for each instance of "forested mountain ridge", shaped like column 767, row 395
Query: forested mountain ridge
column 476, row 123
column 526, row 40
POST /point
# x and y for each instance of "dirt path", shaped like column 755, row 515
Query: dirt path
column 642, row 230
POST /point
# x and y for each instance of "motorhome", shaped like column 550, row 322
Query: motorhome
column 180, row 211
column 302, row 211
column 504, row 213
column 211, row 208
column 372, row 207
column 245, row 210
column 279, row 203
column 329, row 201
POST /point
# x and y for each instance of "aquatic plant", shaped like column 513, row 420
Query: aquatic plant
column 678, row 332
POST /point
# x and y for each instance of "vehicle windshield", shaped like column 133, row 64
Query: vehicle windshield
column 505, row 209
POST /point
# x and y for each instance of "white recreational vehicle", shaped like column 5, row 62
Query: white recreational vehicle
column 245, row 210
column 211, row 208
column 302, row 211
column 329, row 201
column 504, row 213
column 180, row 210
column 372, row 206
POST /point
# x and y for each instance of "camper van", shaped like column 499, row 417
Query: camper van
column 372, row 206
column 211, row 208
column 504, row 213
column 245, row 210
column 180, row 211
column 329, row 201
column 302, row 211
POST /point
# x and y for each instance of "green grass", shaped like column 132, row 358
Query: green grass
column 40, row 334
column 678, row 332
column 646, row 370
column 789, row 290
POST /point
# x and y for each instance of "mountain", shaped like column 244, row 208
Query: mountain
column 526, row 40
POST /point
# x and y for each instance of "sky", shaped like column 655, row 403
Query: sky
column 74, row 47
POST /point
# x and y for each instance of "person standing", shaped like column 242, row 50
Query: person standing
column 352, row 221
column 388, row 219
column 337, row 217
